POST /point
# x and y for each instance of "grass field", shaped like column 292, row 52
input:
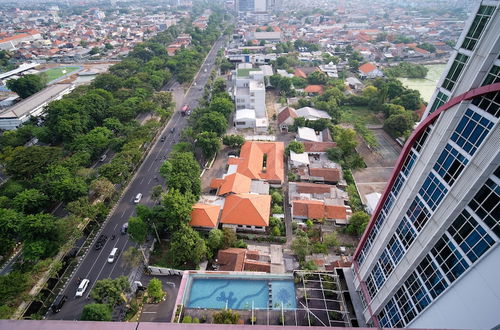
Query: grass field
column 54, row 73
column 352, row 114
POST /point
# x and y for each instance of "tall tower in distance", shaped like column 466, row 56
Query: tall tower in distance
column 430, row 255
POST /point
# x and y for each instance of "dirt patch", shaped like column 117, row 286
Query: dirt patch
column 380, row 163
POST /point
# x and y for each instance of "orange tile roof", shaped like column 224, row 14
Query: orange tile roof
column 312, row 188
column 314, row 209
column 17, row 36
column 336, row 212
column 235, row 183
column 328, row 174
column 247, row 209
column 299, row 73
column 314, row 89
column 318, row 146
column 204, row 215
column 367, row 68
column 252, row 158
column 216, row 183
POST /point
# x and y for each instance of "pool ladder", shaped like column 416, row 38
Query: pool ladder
column 270, row 299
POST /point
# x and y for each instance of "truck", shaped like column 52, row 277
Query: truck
column 184, row 110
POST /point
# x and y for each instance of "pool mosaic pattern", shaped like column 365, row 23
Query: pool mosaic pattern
column 215, row 293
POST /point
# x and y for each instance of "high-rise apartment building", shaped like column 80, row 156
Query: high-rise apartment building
column 430, row 256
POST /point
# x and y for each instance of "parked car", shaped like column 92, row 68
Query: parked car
column 58, row 303
column 103, row 158
column 163, row 138
column 82, row 287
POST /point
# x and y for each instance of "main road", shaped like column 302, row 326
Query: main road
column 94, row 265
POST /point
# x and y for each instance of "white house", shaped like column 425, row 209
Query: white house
column 368, row 70
column 312, row 113
column 308, row 134
column 330, row 70
column 244, row 118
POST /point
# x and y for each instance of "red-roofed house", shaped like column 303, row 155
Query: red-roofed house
column 286, row 118
column 246, row 211
column 314, row 89
column 255, row 165
column 316, row 209
column 205, row 216
column 368, row 70
column 238, row 260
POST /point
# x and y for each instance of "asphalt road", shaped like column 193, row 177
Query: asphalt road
column 94, row 265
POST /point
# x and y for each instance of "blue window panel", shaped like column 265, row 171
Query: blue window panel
column 405, row 305
column 378, row 276
column 361, row 257
column 388, row 203
column 395, row 249
column 449, row 258
column 409, row 162
column 398, row 183
column 432, row 192
column 370, row 286
column 393, row 312
column 384, row 319
column 417, row 292
column 471, row 131
column 470, row 236
column 406, row 233
column 418, row 214
column 385, row 263
column 432, row 277
column 486, row 205
column 450, row 164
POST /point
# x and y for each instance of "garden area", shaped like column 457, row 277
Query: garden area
column 56, row 73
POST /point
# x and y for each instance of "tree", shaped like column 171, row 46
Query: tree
column 110, row 291
column 215, row 239
column 226, row 316
column 137, row 230
column 295, row 146
column 222, row 105
column 229, row 238
column 156, row 192
column 409, row 100
column 41, row 235
column 209, row 143
column 30, row 201
column 357, row 223
column 10, row 222
column 155, row 290
column 212, row 122
column 346, row 140
column 60, row 185
column 331, row 240
column 96, row 312
column 187, row 246
column 131, row 258
column 103, row 188
column 400, row 124
column 24, row 163
column 176, row 209
column 301, row 247
column 26, row 85
column 233, row 141
column 219, row 86
column 182, row 172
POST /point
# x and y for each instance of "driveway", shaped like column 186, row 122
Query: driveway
column 161, row 312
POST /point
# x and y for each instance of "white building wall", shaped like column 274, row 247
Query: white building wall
column 472, row 303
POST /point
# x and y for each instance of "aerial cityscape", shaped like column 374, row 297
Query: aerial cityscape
column 181, row 164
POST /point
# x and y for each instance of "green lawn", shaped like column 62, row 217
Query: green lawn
column 54, row 73
column 352, row 114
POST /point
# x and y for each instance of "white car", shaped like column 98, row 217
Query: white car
column 138, row 198
column 82, row 287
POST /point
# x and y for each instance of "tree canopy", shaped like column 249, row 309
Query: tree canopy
column 27, row 85
column 96, row 312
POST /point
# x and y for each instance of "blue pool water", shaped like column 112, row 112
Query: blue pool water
column 239, row 294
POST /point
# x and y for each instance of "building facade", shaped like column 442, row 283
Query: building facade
column 429, row 256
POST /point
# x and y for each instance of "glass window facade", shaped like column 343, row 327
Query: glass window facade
column 486, row 204
column 470, row 236
column 455, row 71
column 441, row 98
column 450, row 164
column 477, row 27
column 449, row 258
column 489, row 102
column 432, row 192
column 493, row 76
column 471, row 131
column 431, row 276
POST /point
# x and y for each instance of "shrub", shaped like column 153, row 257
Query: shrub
column 277, row 209
column 226, row 317
column 187, row 319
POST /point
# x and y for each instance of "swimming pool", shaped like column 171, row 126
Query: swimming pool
column 216, row 293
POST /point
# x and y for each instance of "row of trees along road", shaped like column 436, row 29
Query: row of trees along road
column 76, row 131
